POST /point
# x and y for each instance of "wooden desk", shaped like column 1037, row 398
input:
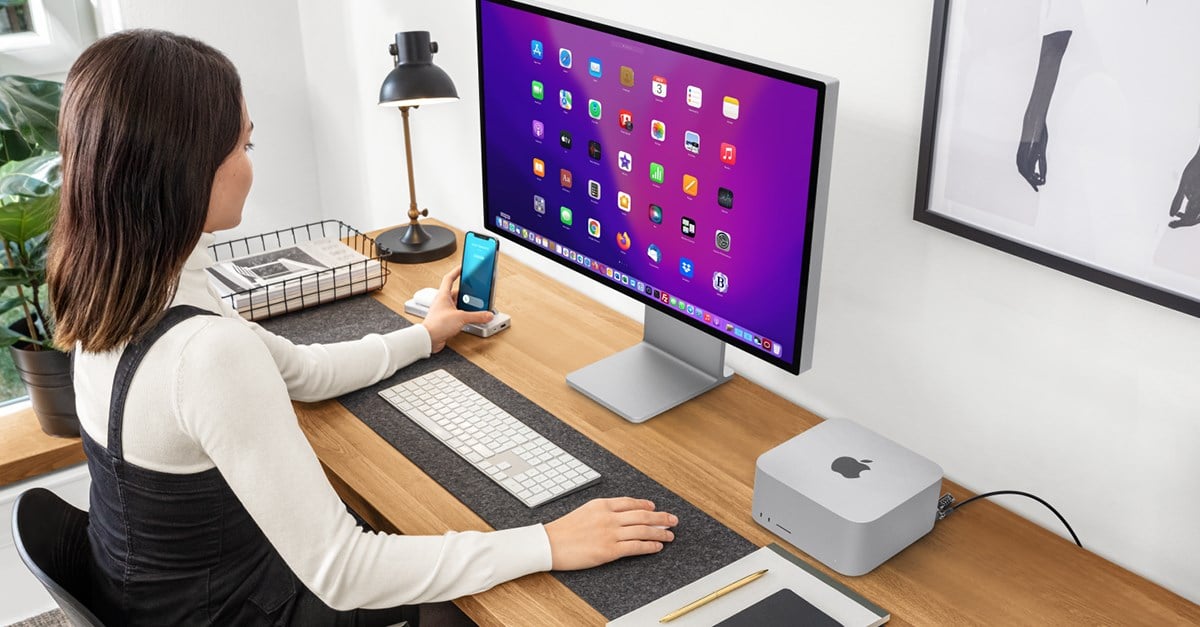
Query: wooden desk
column 983, row 565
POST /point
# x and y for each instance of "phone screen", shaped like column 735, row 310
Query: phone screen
column 478, row 280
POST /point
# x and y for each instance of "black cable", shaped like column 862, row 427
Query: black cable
column 946, row 511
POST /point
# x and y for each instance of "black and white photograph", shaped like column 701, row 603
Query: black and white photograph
column 265, row 268
column 1070, row 130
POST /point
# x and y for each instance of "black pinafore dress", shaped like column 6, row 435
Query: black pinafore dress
column 180, row 549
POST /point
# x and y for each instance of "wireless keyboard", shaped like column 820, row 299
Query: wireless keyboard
column 517, row 458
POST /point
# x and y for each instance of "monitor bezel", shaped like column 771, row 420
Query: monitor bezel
column 802, row 343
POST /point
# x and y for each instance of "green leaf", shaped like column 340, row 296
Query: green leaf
column 12, row 3
column 27, row 218
column 30, row 107
column 36, row 250
column 8, row 337
column 10, row 304
column 14, row 277
column 36, row 276
column 37, row 176
column 13, row 147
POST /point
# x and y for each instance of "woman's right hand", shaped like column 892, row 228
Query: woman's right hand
column 444, row 320
column 603, row 530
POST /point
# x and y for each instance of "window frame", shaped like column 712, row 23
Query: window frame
column 61, row 30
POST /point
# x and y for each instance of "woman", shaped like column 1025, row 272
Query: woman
column 207, row 503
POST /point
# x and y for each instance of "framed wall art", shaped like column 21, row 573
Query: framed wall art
column 1067, row 132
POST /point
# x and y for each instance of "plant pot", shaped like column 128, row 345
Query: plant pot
column 46, row 374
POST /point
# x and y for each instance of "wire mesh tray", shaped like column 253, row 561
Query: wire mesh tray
column 277, row 272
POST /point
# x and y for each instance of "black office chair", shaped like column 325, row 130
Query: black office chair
column 51, row 536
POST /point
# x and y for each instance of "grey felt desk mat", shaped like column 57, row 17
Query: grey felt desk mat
column 701, row 544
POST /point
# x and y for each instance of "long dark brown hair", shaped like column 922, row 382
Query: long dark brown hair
column 147, row 118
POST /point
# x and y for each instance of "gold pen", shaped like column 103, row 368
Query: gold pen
column 712, row 596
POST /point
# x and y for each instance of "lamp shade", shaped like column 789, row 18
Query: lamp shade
column 415, row 80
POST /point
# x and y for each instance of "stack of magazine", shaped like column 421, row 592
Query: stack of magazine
column 300, row 275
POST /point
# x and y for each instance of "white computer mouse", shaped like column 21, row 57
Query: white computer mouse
column 424, row 296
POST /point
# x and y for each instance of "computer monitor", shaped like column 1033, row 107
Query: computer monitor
column 690, row 179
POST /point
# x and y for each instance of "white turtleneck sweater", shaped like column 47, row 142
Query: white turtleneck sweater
column 216, row 392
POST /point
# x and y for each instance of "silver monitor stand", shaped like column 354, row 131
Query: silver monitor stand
column 672, row 364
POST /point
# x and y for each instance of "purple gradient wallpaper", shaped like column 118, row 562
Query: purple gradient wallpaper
column 734, row 259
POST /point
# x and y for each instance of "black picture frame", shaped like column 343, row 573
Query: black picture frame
column 922, row 212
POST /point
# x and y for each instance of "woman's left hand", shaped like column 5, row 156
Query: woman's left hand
column 444, row 319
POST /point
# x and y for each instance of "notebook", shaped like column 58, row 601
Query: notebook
column 791, row 593
column 781, row 608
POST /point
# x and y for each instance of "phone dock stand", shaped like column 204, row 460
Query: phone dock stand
column 498, row 323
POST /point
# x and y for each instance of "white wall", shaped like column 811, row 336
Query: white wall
column 262, row 38
column 1008, row 374
column 361, row 156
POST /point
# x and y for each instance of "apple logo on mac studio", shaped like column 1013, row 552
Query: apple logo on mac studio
column 849, row 467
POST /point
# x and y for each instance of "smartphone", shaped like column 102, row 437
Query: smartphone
column 477, row 285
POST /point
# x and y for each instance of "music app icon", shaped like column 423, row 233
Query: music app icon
column 728, row 153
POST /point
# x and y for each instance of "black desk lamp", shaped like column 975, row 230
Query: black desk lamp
column 413, row 82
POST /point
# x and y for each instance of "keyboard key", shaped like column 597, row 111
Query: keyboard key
column 433, row 427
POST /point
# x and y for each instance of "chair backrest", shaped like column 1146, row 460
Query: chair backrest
column 51, row 536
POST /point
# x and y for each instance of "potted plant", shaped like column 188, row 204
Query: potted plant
column 30, row 178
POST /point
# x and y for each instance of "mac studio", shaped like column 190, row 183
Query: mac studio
column 1006, row 374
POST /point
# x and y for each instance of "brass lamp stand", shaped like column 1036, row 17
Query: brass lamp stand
column 414, row 81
